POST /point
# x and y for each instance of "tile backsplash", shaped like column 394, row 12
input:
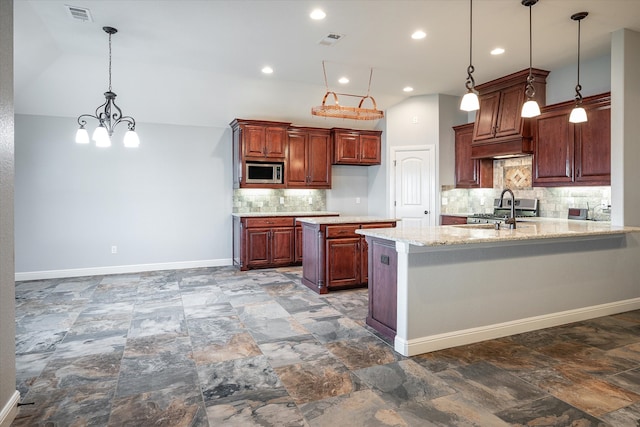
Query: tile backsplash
column 281, row 200
column 516, row 174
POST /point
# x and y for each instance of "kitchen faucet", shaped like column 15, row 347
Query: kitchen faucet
column 512, row 220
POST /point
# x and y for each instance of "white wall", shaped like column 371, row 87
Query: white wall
column 595, row 78
column 169, row 201
column 348, row 183
column 8, row 393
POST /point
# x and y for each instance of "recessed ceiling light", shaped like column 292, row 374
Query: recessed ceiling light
column 408, row 89
column 497, row 51
column 343, row 80
column 267, row 70
column 317, row 14
column 418, row 35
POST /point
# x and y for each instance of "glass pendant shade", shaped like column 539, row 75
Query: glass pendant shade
column 578, row 115
column 470, row 102
column 101, row 137
column 82, row 136
column 131, row 139
column 530, row 109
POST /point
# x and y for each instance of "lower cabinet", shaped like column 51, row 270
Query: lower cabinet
column 263, row 242
column 383, row 267
column 266, row 242
column 336, row 257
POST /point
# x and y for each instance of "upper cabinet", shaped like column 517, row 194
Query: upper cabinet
column 262, row 140
column 499, row 130
column 573, row 154
column 356, row 147
column 470, row 173
column 309, row 159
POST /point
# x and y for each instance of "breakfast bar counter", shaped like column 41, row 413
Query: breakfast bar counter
column 437, row 287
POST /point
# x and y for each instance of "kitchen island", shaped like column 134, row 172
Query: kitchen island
column 335, row 256
column 436, row 287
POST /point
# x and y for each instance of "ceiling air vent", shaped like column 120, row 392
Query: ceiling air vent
column 79, row 13
column 331, row 39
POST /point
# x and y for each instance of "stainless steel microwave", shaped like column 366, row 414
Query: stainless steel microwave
column 264, row 173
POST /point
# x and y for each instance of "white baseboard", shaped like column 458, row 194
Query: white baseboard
column 430, row 343
column 10, row 410
column 120, row 269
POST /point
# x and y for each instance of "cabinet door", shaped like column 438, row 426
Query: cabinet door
column 346, row 148
column 281, row 246
column 553, row 149
column 253, row 141
column 369, row 149
column 487, row 116
column 257, row 240
column 509, row 120
column 467, row 170
column 297, row 255
column 318, row 158
column 274, row 142
column 296, row 167
column 343, row 262
column 593, row 148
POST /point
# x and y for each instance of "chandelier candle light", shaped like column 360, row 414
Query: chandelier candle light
column 578, row 114
column 531, row 107
column 109, row 115
column 470, row 100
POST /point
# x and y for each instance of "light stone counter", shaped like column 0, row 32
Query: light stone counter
column 345, row 220
column 267, row 214
column 464, row 234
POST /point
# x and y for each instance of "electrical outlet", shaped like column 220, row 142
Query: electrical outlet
column 357, row 200
column 482, row 200
column 310, row 200
column 604, row 203
column 282, row 200
column 445, row 201
column 114, row 249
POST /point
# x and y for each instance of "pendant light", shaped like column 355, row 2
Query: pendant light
column 530, row 107
column 578, row 115
column 470, row 99
column 109, row 115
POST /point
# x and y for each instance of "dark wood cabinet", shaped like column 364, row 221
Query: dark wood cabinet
column 255, row 140
column 470, row 173
column 352, row 147
column 383, row 288
column 263, row 242
column 452, row 219
column 336, row 257
column 577, row 154
column 309, row 158
column 499, row 130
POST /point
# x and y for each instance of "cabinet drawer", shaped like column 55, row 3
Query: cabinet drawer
column 285, row 221
column 334, row 231
column 379, row 225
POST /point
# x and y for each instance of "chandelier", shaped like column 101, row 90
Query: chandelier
column 341, row 112
column 108, row 115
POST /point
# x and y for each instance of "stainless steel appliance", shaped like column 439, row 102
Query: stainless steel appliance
column 523, row 208
column 264, row 173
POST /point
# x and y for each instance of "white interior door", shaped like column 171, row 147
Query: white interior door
column 414, row 174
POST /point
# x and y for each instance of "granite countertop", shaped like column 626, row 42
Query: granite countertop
column 266, row 214
column 345, row 220
column 530, row 229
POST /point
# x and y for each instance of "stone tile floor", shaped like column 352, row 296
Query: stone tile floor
column 220, row 347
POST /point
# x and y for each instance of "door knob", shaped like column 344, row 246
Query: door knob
column 426, row 212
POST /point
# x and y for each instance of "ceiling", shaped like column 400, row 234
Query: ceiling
column 198, row 62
